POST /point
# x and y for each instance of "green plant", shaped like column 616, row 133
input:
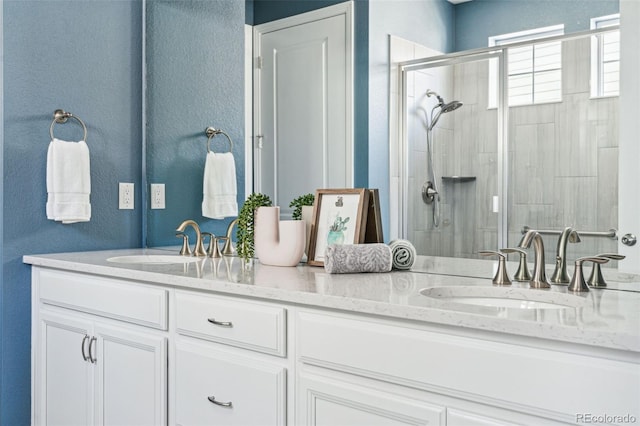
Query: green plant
column 297, row 203
column 245, row 227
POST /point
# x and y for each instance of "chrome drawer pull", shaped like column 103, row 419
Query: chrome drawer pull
column 222, row 404
column 84, row 340
column 220, row 323
column 92, row 358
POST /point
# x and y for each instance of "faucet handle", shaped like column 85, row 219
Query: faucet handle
column 596, row 279
column 211, row 248
column 185, row 250
column 501, row 277
column 522, row 274
column 578, row 283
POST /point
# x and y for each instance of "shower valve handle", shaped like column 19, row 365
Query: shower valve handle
column 428, row 192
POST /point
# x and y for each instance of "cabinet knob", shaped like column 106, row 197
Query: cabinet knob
column 212, row 399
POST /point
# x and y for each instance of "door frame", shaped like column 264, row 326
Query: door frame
column 252, row 153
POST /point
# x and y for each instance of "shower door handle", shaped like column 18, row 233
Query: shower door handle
column 628, row 240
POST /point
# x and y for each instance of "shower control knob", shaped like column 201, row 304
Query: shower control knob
column 629, row 240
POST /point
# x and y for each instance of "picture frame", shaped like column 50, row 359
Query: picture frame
column 339, row 217
column 373, row 229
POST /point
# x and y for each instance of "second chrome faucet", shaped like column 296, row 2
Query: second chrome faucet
column 539, row 277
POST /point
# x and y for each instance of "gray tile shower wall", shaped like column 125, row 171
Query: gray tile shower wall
column 563, row 162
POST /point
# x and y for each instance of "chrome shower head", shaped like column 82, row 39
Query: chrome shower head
column 451, row 106
column 444, row 107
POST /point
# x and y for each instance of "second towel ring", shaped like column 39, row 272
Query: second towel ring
column 211, row 132
column 61, row 116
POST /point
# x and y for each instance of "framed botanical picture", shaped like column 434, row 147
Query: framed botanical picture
column 339, row 216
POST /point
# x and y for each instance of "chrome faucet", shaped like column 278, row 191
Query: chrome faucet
column 199, row 248
column 227, row 249
column 539, row 279
column 560, row 275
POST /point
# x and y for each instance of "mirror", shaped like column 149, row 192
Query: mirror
column 194, row 58
column 194, row 55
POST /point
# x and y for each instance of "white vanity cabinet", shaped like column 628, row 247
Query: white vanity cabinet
column 154, row 348
column 229, row 361
column 346, row 363
column 89, row 368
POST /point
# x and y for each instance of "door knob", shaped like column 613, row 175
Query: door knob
column 628, row 240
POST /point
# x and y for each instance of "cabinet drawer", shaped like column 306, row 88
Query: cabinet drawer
column 480, row 370
column 111, row 298
column 214, row 387
column 248, row 325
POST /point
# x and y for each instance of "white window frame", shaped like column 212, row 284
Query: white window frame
column 517, row 37
column 597, row 56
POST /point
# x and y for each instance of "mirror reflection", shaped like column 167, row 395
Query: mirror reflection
column 557, row 146
column 196, row 76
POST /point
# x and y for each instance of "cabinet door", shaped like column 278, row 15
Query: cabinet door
column 63, row 377
column 131, row 376
column 216, row 387
column 324, row 401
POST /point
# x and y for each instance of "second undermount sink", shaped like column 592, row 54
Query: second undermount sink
column 152, row 259
column 502, row 297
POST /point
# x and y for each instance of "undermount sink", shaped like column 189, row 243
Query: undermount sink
column 501, row 297
column 152, row 259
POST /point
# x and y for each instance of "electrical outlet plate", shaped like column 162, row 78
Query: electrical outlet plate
column 157, row 196
column 126, row 197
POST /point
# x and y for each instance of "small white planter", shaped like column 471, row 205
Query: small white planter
column 278, row 242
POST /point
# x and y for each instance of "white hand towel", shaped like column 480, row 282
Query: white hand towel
column 68, row 182
column 219, row 186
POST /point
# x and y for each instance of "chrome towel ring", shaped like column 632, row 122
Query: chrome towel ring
column 61, row 116
column 211, row 132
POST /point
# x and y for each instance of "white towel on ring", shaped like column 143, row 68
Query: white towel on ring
column 219, row 188
column 68, row 181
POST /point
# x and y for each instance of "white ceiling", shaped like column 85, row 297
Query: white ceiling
column 458, row 1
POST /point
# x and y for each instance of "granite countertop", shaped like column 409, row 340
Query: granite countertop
column 608, row 318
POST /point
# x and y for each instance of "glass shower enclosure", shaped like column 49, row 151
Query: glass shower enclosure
column 526, row 150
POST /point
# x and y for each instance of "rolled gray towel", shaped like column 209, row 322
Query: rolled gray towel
column 403, row 253
column 355, row 258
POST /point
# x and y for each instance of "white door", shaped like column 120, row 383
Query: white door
column 629, row 154
column 64, row 375
column 303, row 104
column 131, row 377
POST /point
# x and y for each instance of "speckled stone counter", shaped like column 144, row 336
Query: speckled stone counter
column 607, row 318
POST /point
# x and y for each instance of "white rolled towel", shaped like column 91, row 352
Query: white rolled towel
column 404, row 254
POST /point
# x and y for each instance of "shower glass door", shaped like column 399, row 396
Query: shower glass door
column 452, row 165
column 526, row 150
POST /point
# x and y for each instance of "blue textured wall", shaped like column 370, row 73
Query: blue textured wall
column 84, row 57
column 195, row 79
column 477, row 20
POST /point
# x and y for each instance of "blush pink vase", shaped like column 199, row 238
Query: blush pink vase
column 278, row 242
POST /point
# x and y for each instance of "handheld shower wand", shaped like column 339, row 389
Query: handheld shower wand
column 430, row 193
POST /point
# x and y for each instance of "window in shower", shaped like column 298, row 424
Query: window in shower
column 605, row 57
column 534, row 70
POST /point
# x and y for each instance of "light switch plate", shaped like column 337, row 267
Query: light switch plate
column 126, row 196
column 157, row 196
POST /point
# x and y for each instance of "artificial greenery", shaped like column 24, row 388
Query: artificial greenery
column 245, row 227
column 297, row 203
